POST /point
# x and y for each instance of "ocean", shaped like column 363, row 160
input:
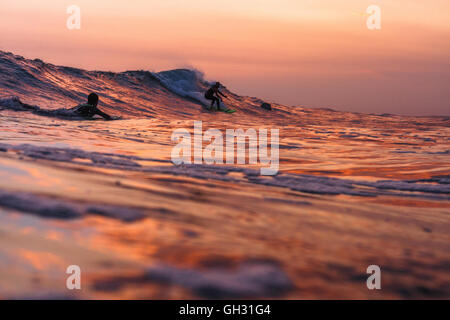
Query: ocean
column 351, row 190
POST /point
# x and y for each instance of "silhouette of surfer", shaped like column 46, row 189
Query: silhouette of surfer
column 214, row 94
column 90, row 109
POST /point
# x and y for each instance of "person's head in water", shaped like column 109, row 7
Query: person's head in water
column 93, row 99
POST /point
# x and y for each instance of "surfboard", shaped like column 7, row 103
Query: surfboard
column 229, row 111
column 226, row 110
column 223, row 108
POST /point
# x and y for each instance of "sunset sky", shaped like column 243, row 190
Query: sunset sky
column 314, row 53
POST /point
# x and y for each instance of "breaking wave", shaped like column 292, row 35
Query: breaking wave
column 26, row 84
column 15, row 104
column 185, row 83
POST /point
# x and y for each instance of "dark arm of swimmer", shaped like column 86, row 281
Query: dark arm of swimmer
column 102, row 114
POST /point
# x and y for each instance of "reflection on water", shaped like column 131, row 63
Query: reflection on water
column 190, row 231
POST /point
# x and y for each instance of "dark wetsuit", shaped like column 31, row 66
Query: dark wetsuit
column 210, row 95
column 88, row 111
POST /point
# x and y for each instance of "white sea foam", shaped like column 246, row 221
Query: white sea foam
column 185, row 83
column 251, row 279
column 49, row 207
column 297, row 182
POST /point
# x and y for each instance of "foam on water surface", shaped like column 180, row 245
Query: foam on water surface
column 352, row 190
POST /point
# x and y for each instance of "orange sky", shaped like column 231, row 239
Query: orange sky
column 299, row 52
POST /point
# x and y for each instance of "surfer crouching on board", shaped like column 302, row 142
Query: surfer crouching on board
column 214, row 94
column 90, row 109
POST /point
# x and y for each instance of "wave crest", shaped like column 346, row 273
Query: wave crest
column 14, row 104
